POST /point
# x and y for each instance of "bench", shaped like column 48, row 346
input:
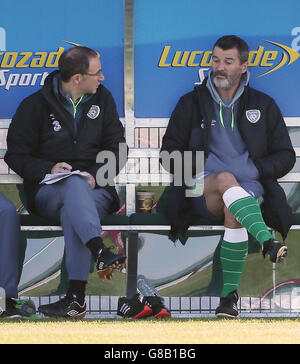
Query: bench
column 142, row 168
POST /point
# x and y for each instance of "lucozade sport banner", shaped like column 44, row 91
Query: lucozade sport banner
column 174, row 40
column 33, row 35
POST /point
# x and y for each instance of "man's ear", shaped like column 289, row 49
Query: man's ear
column 76, row 78
column 244, row 67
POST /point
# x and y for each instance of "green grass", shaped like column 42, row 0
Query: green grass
column 171, row 331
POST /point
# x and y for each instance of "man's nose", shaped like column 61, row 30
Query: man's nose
column 220, row 66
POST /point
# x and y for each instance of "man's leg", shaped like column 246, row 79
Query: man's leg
column 223, row 189
column 242, row 213
column 234, row 251
column 76, row 236
column 51, row 202
column 76, row 198
column 9, row 249
column 9, row 244
column 234, row 246
column 83, row 209
column 80, row 210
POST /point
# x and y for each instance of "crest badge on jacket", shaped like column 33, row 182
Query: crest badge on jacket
column 94, row 112
column 55, row 123
column 253, row 116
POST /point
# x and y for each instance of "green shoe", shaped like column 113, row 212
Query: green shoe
column 15, row 308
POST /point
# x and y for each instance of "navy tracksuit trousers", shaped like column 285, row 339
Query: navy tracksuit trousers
column 79, row 209
column 9, row 247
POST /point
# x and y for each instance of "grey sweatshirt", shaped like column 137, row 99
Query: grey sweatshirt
column 228, row 151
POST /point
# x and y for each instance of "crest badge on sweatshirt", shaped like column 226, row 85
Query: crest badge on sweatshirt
column 94, row 112
column 253, row 116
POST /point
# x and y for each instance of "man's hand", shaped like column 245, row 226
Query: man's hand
column 61, row 167
column 91, row 179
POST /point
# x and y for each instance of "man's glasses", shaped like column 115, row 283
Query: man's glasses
column 97, row 74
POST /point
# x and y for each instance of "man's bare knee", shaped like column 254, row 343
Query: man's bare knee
column 225, row 178
column 214, row 187
column 219, row 182
column 224, row 181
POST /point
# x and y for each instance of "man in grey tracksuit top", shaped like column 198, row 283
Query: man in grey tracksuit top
column 246, row 148
column 231, row 154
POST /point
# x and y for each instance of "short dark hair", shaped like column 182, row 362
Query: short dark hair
column 75, row 60
column 232, row 41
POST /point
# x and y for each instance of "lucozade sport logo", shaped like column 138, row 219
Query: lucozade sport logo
column 20, row 61
column 31, row 61
column 289, row 56
column 269, row 60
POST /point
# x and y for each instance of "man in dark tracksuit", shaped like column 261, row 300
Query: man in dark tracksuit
column 10, row 306
column 247, row 148
column 62, row 128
